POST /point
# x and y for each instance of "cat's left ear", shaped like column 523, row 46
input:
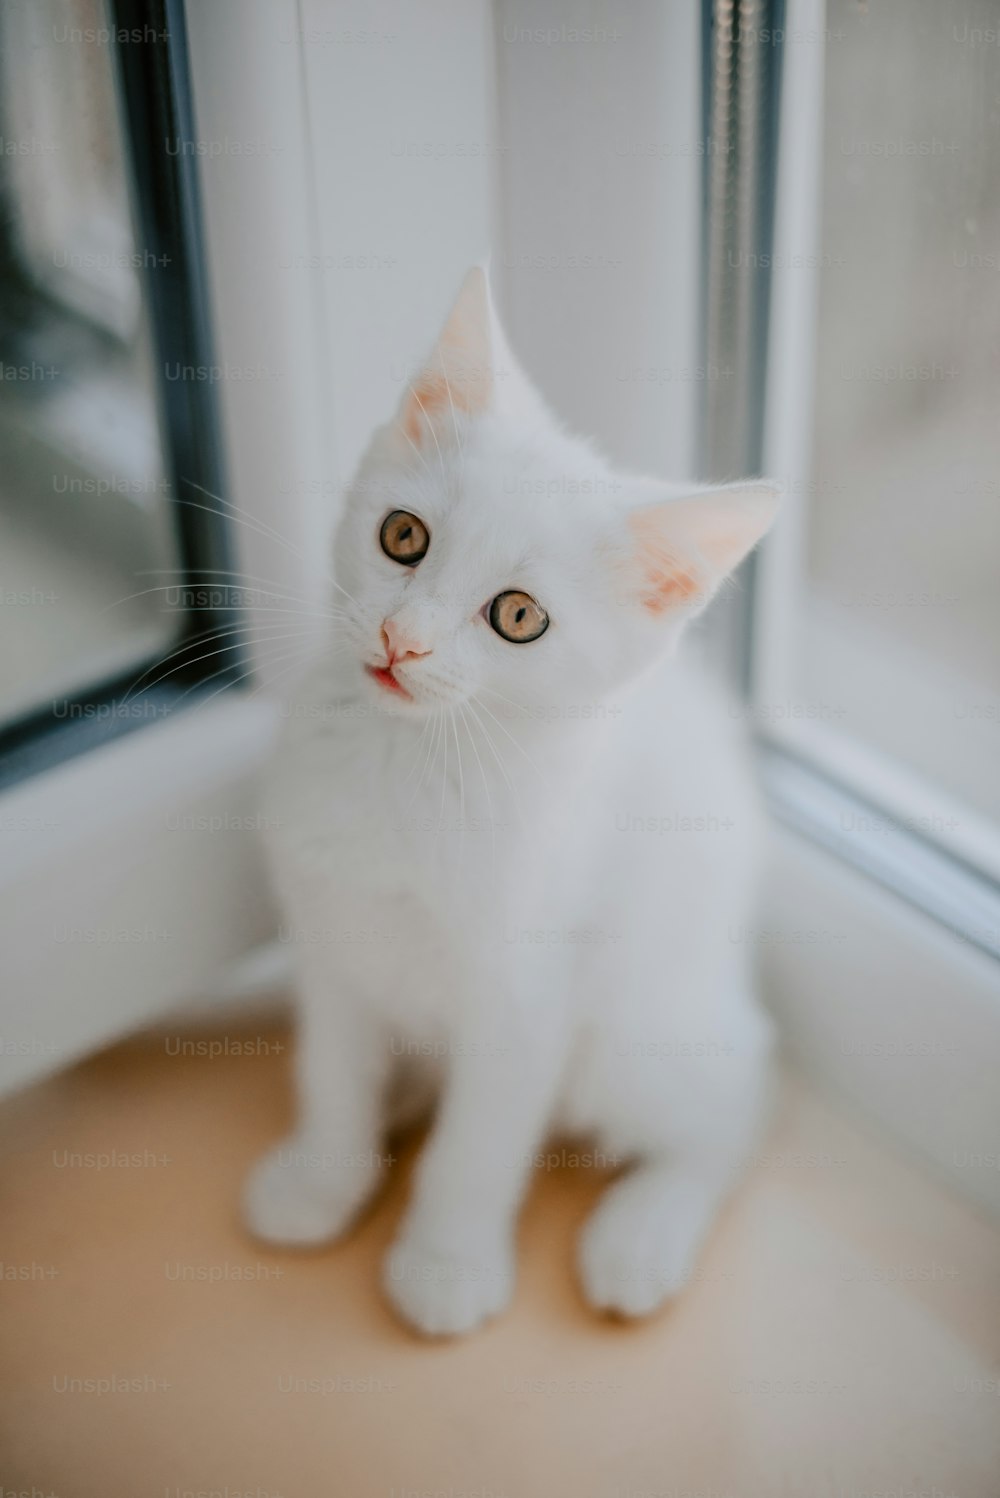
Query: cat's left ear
column 680, row 550
column 460, row 374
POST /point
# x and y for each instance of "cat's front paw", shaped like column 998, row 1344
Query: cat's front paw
column 444, row 1294
column 299, row 1195
column 631, row 1260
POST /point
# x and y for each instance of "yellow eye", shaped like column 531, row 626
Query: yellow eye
column 518, row 618
column 404, row 538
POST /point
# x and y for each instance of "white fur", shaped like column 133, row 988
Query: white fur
column 496, row 898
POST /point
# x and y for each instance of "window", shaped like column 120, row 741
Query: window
column 856, row 293
column 901, row 627
column 106, row 420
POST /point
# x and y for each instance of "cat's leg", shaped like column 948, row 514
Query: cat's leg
column 639, row 1247
column 310, row 1187
column 452, row 1266
column 694, row 1133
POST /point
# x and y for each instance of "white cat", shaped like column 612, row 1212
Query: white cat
column 515, row 848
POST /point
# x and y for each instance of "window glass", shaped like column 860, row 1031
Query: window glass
column 902, row 629
column 85, row 528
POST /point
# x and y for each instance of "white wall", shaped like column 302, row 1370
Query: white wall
column 454, row 130
column 599, row 110
column 404, row 148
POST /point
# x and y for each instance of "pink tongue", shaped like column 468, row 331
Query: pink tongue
column 386, row 679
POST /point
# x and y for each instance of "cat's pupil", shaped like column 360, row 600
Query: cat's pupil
column 517, row 617
column 404, row 538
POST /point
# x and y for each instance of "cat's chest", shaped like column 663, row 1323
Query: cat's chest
column 391, row 817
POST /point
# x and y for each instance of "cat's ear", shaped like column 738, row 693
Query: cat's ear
column 680, row 550
column 459, row 377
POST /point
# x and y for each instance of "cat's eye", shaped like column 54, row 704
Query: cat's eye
column 404, row 538
column 517, row 617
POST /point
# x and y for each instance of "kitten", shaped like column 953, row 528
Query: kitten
column 513, row 841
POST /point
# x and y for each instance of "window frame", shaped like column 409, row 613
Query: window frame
column 155, row 99
column 878, row 954
column 817, row 777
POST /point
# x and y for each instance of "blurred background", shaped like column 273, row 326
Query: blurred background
column 725, row 238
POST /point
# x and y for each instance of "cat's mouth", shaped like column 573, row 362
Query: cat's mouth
column 387, row 681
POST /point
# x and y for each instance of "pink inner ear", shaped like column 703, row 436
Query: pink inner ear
column 668, row 582
column 434, row 395
column 458, row 374
column 427, row 399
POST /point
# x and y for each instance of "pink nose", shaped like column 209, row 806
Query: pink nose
column 400, row 646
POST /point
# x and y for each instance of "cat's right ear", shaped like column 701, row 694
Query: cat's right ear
column 680, row 550
column 459, row 377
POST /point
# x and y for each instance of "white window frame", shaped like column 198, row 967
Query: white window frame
column 880, row 962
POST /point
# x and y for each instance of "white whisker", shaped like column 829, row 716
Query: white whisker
column 486, row 786
column 519, row 747
column 223, row 650
column 259, row 528
column 203, row 639
column 416, row 397
column 454, row 419
column 461, row 791
column 499, row 760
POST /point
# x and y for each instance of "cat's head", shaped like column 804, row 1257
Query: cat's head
column 486, row 555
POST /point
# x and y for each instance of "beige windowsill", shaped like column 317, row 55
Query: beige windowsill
column 842, row 1337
